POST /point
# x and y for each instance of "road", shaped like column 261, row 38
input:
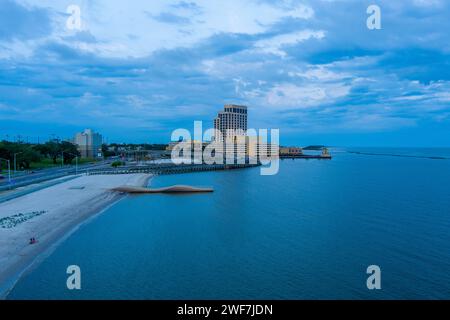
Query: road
column 47, row 174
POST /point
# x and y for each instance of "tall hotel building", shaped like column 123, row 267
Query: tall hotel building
column 231, row 122
column 230, row 128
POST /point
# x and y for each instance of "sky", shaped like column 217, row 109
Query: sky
column 137, row 70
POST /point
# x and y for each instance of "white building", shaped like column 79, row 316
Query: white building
column 89, row 143
column 231, row 122
column 230, row 128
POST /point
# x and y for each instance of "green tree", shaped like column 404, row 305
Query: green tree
column 106, row 152
column 27, row 156
column 50, row 149
column 25, row 153
column 116, row 164
column 55, row 149
column 69, row 150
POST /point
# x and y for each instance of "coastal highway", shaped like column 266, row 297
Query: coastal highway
column 21, row 180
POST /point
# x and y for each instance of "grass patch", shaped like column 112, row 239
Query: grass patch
column 48, row 163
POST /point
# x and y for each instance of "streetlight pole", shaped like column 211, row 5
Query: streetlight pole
column 9, row 170
column 15, row 169
column 76, row 160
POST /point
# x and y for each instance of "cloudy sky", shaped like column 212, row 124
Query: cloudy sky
column 137, row 70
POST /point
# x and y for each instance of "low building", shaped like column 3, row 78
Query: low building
column 290, row 151
column 194, row 144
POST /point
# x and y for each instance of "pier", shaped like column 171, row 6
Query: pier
column 170, row 168
column 307, row 156
column 297, row 153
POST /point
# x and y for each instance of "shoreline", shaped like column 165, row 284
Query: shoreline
column 19, row 257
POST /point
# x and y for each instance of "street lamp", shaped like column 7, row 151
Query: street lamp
column 76, row 164
column 76, row 160
column 9, row 169
column 15, row 154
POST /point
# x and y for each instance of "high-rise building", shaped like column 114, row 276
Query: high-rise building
column 230, row 132
column 231, row 122
column 89, row 143
column 230, row 129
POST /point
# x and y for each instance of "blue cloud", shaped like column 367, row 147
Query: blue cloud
column 22, row 23
column 168, row 17
column 418, row 64
column 82, row 36
column 191, row 6
column 180, row 13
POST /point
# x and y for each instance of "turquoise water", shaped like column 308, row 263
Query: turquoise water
column 309, row 232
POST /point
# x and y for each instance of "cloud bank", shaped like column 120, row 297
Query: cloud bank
column 137, row 70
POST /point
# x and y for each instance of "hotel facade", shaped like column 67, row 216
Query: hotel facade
column 231, row 122
column 230, row 129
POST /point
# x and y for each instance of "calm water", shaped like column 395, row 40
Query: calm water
column 308, row 232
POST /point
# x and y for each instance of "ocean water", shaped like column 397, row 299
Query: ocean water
column 309, row 232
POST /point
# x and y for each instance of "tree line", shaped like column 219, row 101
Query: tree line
column 27, row 153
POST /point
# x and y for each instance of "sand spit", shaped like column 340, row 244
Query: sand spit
column 64, row 206
column 171, row 189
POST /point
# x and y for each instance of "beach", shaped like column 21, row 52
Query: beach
column 48, row 215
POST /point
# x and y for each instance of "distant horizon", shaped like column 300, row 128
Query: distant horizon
column 31, row 141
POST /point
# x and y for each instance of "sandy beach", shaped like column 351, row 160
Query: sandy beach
column 48, row 215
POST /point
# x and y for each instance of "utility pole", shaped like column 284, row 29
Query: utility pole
column 76, row 161
column 15, row 168
column 9, row 170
